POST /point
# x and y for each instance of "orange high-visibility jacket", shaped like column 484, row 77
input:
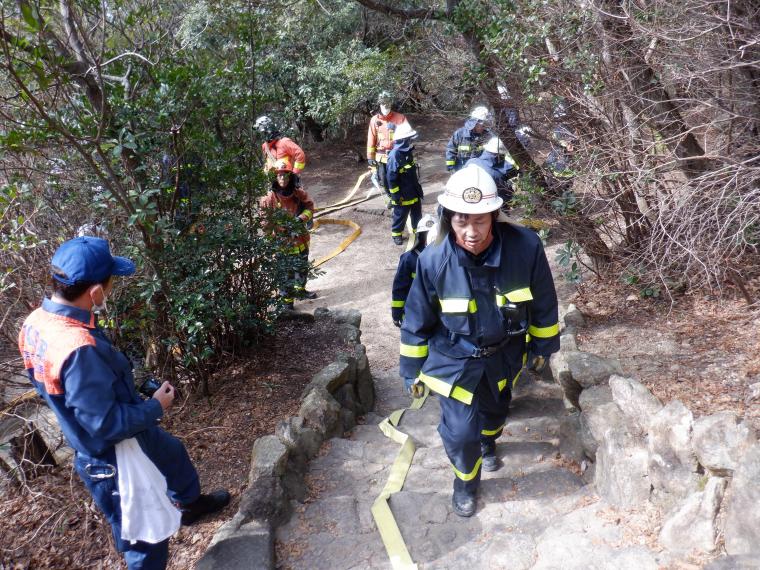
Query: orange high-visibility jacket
column 284, row 148
column 380, row 137
column 298, row 204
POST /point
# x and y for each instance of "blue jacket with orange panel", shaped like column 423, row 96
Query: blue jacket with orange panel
column 468, row 316
column 85, row 380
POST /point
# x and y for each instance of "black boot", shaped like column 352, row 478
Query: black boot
column 204, row 505
column 488, row 452
column 398, row 240
column 463, row 502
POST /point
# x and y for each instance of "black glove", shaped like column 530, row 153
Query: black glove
column 372, row 162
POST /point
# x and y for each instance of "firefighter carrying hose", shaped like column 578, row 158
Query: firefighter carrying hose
column 481, row 306
column 380, row 137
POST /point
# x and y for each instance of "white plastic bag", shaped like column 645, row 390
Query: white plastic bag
column 147, row 514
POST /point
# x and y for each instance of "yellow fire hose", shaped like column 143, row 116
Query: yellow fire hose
column 381, row 511
column 344, row 244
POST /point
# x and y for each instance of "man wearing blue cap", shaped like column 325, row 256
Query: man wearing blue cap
column 90, row 387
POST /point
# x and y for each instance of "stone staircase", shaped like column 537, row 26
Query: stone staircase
column 536, row 512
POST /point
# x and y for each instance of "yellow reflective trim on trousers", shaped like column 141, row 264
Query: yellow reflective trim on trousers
column 519, row 295
column 501, row 384
column 396, row 233
column 544, row 332
column 464, row 396
column 458, row 305
column 397, row 304
column 414, row 275
column 414, row 350
column 451, row 162
column 409, row 202
column 472, row 474
column 492, row 431
column 393, row 190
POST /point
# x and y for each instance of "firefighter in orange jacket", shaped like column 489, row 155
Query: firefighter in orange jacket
column 380, row 137
column 277, row 147
column 287, row 194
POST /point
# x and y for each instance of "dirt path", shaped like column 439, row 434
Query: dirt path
column 535, row 512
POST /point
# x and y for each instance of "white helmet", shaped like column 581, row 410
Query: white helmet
column 404, row 131
column 495, row 146
column 426, row 224
column 470, row 191
column 482, row 114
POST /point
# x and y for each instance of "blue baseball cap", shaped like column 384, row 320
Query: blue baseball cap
column 88, row 259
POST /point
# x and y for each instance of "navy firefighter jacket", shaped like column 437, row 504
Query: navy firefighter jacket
column 464, row 144
column 402, row 282
column 403, row 184
column 457, row 305
column 85, row 380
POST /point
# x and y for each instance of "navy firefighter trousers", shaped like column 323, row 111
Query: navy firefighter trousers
column 463, row 428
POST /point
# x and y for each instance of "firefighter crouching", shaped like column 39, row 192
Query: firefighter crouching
column 288, row 194
column 482, row 303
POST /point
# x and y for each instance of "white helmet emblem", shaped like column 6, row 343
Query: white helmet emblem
column 472, row 195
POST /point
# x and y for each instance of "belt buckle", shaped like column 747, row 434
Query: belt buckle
column 99, row 476
column 479, row 352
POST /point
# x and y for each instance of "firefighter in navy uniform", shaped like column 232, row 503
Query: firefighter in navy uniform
column 403, row 182
column 407, row 266
column 481, row 306
column 467, row 141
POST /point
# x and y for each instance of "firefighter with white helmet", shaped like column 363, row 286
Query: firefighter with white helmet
column 277, row 147
column 407, row 265
column 481, row 306
column 403, row 182
column 496, row 160
column 468, row 140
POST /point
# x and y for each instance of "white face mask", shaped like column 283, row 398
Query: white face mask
column 384, row 109
column 103, row 307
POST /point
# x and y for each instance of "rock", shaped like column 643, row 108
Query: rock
column 264, row 500
column 331, row 377
column 349, row 359
column 720, row 440
column 295, row 486
column 299, row 439
column 321, row 412
column 601, row 419
column 510, row 550
column 594, row 396
column 365, row 385
column 589, row 369
column 573, row 317
column 588, row 441
column 351, row 317
column 638, row 403
column 753, row 393
column 672, row 463
column 562, row 376
column 347, row 419
column 269, row 457
column 733, row 563
column 348, row 333
column 235, row 547
column 742, row 527
column 346, row 398
column 692, row 525
column 621, row 469
column 567, row 341
column 570, row 439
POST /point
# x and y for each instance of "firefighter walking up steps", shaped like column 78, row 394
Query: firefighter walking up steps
column 481, row 306
column 403, row 182
column 407, row 267
column 380, row 137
